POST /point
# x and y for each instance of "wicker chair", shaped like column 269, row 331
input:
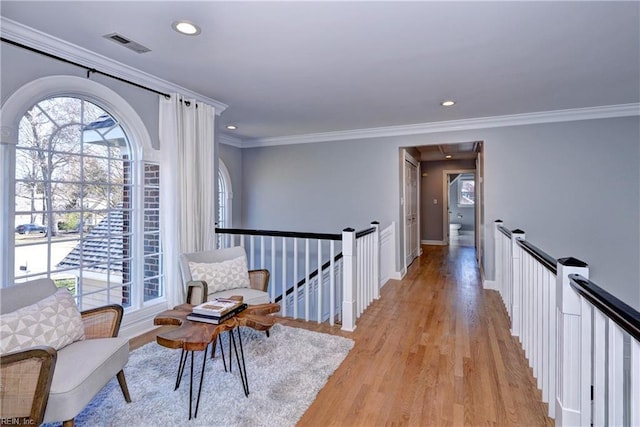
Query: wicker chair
column 26, row 379
column 198, row 290
column 41, row 384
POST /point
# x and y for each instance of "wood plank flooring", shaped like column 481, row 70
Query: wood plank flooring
column 435, row 349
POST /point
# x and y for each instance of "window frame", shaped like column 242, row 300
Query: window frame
column 461, row 203
column 224, row 182
column 141, row 152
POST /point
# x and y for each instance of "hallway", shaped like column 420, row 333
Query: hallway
column 435, row 349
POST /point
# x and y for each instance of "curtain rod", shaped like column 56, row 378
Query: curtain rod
column 89, row 69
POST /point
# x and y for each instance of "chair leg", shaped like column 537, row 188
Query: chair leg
column 123, row 386
column 68, row 423
column 267, row 331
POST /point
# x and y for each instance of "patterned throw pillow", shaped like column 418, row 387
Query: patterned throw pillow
column 54, row 321
column 220, row 276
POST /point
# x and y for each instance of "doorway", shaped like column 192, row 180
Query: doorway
column 411, row 217
column 459, row 215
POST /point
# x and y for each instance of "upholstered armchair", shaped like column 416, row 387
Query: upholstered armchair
column 51, row 377
column 222, row 273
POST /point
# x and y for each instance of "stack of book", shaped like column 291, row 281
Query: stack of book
column 217, row 310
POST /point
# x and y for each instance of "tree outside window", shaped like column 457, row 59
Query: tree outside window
column 74, row 178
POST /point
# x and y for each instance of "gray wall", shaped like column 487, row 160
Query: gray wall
column 321, row 187
column 431, row 185
column 574, row 187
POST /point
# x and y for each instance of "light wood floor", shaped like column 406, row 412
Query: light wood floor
column 435, row 349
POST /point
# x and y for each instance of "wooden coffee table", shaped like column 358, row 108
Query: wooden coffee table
column 196, row 336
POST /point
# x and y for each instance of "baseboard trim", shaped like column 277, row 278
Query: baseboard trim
column 396, row 275
column 433, row 242
column 136, row 329
column 489, row 284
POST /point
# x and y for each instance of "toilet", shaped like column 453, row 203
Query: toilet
column 454, row 229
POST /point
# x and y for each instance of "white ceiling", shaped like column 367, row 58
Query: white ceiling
column 294, row 68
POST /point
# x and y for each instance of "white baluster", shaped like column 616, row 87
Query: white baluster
column 552, row 344
column 252, row 253
column 537, row 344
column 273, row 270
column 599, row 367
column 319, row 293
column 516, row 281
column 332, row 283
column 615, row 392
column 307, row 284
column 262, row 264
column 295, row 278
column 546, row 336
column 284, row 275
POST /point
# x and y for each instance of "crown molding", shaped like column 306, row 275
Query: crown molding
column 31, row 37
column 230, row 140
column 590, row 113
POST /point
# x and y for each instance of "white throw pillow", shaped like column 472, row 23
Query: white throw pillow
column 220, row 276
column 53, row 321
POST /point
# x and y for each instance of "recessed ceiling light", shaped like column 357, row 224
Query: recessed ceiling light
column 232, row 127
column 447, row 103
column 448, row 156
column 186, row 27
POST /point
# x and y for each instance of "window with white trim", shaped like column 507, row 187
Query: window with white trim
column 466, row 191
column 225, row 197
column 222, row 201
column 94, row 206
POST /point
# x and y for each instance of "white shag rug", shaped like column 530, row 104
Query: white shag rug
column 285, row 371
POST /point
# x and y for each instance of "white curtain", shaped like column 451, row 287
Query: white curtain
column 187, row 183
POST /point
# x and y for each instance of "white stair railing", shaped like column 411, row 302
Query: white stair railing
column 340, row 290
column 572, row 331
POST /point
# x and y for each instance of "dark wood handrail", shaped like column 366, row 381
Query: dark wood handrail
column 541, row 256
column 274, row 233
column 624, row 315
column 505, row 231
column 365, row 232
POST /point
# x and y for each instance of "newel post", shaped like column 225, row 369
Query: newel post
column 376, row 260
column 573, row 350
column 497, row 255
column 516, row 282
column 350, row 261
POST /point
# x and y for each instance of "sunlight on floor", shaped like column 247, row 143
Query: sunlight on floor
column 463, row 239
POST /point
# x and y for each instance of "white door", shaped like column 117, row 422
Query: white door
column 412, row 243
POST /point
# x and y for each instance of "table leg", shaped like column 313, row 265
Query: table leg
column 230, row 336
column 183, row 361
column 224, row 362
column 191, row 386
column 244, row 366
column 204, row 362
column 241, row 367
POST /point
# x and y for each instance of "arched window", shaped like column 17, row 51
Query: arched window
column 85, row 204
column 225, row 196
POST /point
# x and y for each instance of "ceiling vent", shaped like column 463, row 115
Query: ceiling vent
column 129, row 44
